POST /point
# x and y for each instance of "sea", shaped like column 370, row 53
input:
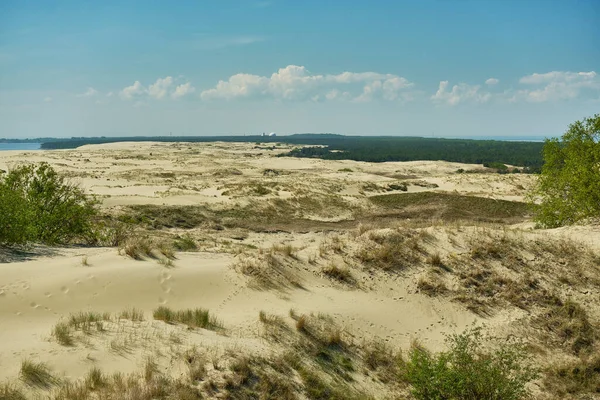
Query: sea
column 20, row 146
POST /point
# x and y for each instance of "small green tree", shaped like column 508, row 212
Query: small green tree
column 568, row 188
column 39, row 205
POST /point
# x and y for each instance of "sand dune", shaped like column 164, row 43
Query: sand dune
column 46, row 286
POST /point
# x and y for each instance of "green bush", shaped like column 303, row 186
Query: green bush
column 39, row 205
column 568, row 189
column 467, row 372
column 496, row 165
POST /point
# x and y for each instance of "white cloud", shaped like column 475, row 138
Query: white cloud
column 557, row 85
column 109, row 94
column 459, row 94
column 492, row 81
column 183, row 90
column 557, row 76
column 47, row 99
column 297, row 83
column 90, row 92
column 159, row 89
column 132, row 91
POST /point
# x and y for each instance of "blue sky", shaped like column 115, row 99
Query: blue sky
column 451, row 68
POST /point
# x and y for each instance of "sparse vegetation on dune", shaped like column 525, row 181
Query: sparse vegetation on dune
column 451, row 207
column 393, row 251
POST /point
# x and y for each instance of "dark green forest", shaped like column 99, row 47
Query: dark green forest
column 365, row 148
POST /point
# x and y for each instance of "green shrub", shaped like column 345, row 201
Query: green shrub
column 568, row 188
column 467, row 372
column 38, row 205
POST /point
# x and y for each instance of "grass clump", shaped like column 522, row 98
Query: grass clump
column 431, row 285
column 36, row 374
column 340, row 274
column 95, row 379
column 193, row 318
column 137, row 248
column 62, row 333
column 467, row 371
column 285, row 249
column 185, row 243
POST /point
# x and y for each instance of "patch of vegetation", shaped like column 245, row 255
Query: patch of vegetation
column 256, row 378
column 451, row 207
column 382, row 359
column 267, row 271
column 581, row 377
column 467, row 371
column 431, row 285
column 132, row 314
column 193, row 318
column 11, row 392
column 39, row 205
column 393, row 251
column 141, row 247
column 570, row 322
column 185, row 243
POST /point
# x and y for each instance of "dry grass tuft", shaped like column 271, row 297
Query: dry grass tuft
column 393, row 251
column 140, row 248
column 267, row 271
column 285, row 249
column 431, row 285
column 342, row 275
column 577, row 378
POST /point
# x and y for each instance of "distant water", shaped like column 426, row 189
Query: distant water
column 20, row 146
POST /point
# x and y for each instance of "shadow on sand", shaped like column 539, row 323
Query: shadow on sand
column 19, row 254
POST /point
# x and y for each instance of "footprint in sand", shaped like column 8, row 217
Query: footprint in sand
column 34, row 305
column 2, row 293
column 48, row 294
column 18, row 313
column 162, row 301
column 64, row 289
